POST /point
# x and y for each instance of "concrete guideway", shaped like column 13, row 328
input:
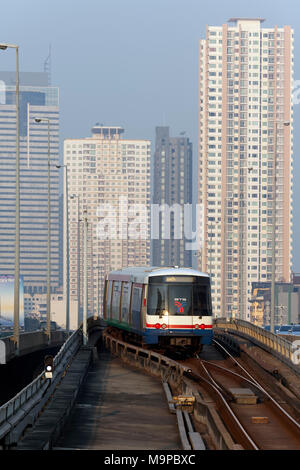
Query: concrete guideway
column 120, row 408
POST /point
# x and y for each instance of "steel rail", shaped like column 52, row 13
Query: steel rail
column 262, row 389
column 231, row 372
column 212, row 384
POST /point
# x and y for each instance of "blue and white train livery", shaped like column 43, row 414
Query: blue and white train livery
column 164, row 307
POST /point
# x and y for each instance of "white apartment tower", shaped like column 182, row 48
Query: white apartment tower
column 110, row 178
column 245, row 132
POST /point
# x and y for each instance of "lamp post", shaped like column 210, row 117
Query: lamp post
column 224, row 263
column 85, row 277
column 67, row 270
column 209, row 245
column 17, row 242
column 272, row 316
column 48, row 328
column 98, row 267
column 73, row 196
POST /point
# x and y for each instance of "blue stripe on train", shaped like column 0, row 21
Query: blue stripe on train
column 151, row 336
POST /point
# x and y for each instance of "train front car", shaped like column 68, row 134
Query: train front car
column 179, row 312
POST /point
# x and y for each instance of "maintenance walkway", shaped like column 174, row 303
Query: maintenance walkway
column 119, row 408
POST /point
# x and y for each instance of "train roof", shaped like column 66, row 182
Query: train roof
column 141, row 273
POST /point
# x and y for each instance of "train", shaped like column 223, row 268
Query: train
column 159, row 307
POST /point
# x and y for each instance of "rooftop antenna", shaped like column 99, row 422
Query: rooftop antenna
column 47, row 66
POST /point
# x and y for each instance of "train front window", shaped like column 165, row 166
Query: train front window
column 201, row 300
column 180, row 299
column 157, row 299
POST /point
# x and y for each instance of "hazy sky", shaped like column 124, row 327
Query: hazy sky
column 132, row 62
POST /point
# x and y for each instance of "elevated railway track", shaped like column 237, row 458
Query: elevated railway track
column 254, row 418
column 228, row 404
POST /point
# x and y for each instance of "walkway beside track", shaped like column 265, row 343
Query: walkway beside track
column 120, row 408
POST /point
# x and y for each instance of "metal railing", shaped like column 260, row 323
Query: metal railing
column 287, row 351
column 29, row 401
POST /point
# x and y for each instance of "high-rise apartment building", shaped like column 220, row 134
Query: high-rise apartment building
column 109, row 177
column 172, row 186
column 245, row 132
column 37, row 100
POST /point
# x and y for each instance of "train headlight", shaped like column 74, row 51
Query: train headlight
column 196, row 327
column 202, row 326
column 157, row 326
column 164, row 326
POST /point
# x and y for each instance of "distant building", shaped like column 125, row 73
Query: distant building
column 35, row 308
column 37, row 99
column 109, row 177
column 287, row 303
column 245, row 130
column 172, row 185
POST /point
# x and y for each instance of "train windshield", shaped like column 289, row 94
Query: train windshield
column 179, row 297
column 157, row 299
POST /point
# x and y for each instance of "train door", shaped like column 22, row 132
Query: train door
column 136, row 305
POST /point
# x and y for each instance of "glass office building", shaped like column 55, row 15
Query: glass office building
column 37, row 100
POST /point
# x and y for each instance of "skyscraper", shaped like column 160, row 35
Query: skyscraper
column 109, row 177
column 245, row 132
column 37, row 100
column 172, row 185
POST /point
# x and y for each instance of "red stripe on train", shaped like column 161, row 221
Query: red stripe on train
column 148, row 325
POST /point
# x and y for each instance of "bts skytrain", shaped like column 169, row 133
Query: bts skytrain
column 166, row 308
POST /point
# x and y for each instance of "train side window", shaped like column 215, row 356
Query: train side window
column 115, row 304
column 136, row 305
column 120, row 304
column 130, row 302
column 125, row 301
column 105, row 299
column 108, row 300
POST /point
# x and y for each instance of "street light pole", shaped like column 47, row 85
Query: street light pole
column 98, row 267
column 67, row 289
column 272, row 316
column 85, row 279
column 48, row 328
column 224, row 261
column 17, row 242
column 73, row 196
column 273, row 281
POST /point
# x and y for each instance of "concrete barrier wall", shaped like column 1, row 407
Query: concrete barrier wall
column 29, row 342
column 287, row 351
